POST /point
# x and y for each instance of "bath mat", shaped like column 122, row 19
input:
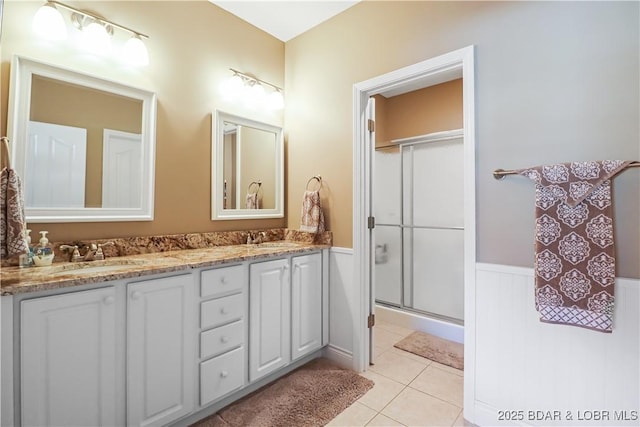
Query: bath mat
column 312, row 395
column 434, row 348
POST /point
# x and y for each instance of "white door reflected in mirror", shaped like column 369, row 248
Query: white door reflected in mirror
column 105, row 174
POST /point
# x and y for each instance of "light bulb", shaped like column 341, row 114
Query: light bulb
column 48, row 23
column 96, row 38
column 275, row 100
column 134, row 52
column 232, row 88
column 255, row 95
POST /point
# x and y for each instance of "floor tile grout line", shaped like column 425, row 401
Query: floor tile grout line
column 434, row 396
column 459, row 413
column 393, row 379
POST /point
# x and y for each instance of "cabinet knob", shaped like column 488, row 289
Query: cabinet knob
column 224, row 280
column 108, row 300
column 224, row 340
column 136, row 295
column 224, row 374
column 223, row 310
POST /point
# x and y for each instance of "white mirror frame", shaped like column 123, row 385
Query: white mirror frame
column 217, row 175
column 22, row 70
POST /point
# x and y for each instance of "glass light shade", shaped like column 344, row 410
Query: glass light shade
column 276, row 100
column 232, row 88
column 255, row 96
column 96, row 38
column 48, row 23
column 134, row 52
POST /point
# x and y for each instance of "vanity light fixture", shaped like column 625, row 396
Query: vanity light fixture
column 252, row 91
column 48, row 23
column 96, row 31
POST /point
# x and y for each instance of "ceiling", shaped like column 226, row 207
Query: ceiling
column 285, row 19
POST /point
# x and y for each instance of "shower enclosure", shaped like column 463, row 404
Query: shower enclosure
column 418, row 206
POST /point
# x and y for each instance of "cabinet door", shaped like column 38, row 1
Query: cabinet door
column 306, row 305
column 269, row 317
column 161, row 359
column 68, row 358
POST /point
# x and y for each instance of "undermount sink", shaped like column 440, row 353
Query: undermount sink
column 91, row 267
column 277, row 245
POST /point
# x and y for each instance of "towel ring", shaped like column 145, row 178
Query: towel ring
column 258, row 183
column 317, row 178
column 6, row 152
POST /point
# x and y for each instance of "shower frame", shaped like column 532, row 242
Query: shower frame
column 434, row 137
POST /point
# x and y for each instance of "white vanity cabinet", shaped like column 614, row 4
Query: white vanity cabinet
column 306, row 304
column 68, row 359
column 269, row 317
column 160, row 350
column 122, row 354
column 286, row 307
column 223, row 332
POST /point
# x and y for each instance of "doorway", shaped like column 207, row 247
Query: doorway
column 444, row 68
column 418, row 207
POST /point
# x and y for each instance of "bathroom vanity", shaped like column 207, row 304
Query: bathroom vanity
column 158, row 339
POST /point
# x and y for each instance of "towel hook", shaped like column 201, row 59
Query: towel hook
column 6, row 152
column 317, row 178
column 258, row 183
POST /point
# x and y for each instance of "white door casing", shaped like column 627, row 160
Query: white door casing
column 446, row 67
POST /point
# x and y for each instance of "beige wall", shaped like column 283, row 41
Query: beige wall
column 555, row 82
column 192, row 45
column 433, row 109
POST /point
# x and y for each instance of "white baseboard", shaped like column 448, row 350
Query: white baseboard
column 341, row 357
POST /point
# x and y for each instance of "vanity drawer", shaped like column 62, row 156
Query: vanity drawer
column 221, row 375
column 221, row 281
column 218, row 340
column 222, row 310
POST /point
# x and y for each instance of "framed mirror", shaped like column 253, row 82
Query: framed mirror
column 83, row 146
column 247, row 179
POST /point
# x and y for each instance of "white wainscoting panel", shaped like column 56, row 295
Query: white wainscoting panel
column 591, row 378
column 341, row 308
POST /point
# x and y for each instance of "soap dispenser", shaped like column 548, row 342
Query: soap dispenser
column 44, row 243
column 43, row 255
column 26, row 260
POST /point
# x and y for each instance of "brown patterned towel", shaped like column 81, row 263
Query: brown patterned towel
column 12, row 224
column 252, row 201
column 312, row 215
column 575, row 261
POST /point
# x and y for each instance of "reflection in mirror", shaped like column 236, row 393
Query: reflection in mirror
column 83, row 145
column 247, row 178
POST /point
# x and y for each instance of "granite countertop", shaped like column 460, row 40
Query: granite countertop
column 16, row 280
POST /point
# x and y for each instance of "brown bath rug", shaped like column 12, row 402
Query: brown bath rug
column 312, row 395
column 434, row 348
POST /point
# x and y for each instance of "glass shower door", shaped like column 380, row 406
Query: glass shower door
column 419, row 234
column 433, row 217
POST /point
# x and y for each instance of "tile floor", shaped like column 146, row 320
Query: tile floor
column 409, row 390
